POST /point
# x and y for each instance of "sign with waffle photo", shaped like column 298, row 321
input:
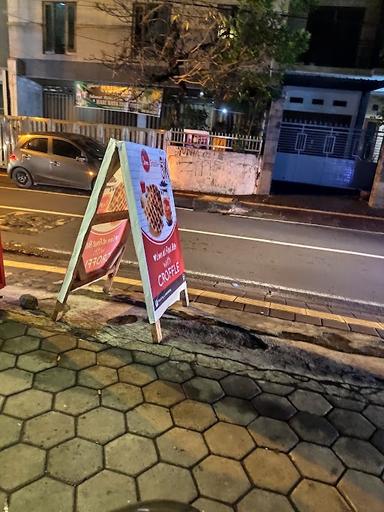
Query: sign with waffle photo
column 154, row 225
column 132, row 193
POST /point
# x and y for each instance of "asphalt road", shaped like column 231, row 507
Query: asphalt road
column 315, row 259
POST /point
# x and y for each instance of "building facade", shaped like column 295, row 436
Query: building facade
column 329, row 96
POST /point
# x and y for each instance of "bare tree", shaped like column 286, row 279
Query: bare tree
column 237, row 53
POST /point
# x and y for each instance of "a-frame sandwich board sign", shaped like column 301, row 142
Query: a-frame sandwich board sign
column 133, row 193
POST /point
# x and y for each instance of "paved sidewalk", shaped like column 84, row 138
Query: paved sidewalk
column 345, row 317
column 88, row 427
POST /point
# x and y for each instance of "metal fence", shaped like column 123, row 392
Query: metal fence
column 325, row 141
column 12, row 126
column 217, row 141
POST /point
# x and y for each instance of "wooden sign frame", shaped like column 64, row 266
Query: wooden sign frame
column 117, row 157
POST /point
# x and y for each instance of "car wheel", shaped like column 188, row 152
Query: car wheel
column 22, row 178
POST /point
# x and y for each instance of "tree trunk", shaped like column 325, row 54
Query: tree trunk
column 376, row 199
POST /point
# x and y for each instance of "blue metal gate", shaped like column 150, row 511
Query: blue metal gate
column 324, row 155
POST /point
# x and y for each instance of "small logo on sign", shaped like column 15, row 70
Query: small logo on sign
column 145, row 162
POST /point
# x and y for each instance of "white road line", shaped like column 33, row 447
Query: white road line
column 286, row 244
column 223, row 235
column 43, row 192
column 307, row 224
column 32, row 210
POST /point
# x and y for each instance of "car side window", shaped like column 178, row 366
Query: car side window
column 64, row 148
column 38, row 144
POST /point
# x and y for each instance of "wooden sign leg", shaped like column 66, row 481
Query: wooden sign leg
column 108, row 284
column 157, row 335
column 57, row 311
column 184, row 298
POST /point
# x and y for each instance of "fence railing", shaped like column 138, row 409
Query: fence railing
column 13, row 126
column 217, row 141
column 328, row 142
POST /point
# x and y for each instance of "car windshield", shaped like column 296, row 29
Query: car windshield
column 92, row 147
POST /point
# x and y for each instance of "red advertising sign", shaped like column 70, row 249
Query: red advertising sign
column 155, row 213
column 103, row 239
column 132, row 190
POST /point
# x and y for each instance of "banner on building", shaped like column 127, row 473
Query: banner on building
column 118, row 97
column 132, row 193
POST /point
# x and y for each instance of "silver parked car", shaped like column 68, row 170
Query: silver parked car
column 61, row 159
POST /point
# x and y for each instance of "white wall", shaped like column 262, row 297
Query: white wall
column 95, row 31
column 213, row 172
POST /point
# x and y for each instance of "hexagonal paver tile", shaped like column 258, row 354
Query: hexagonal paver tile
column 32, row 496
column 10, row 329
column 275, row 388
column 101, row 425
column 77, row 400
column 357, row 454
column 375, row 414
column 97, row 377
column 147, row 358
column 346, row 403
column 378, row 440
column 273, row 406
column 75, row 460
column 38, row 332
column 77, row 359
column 7, row 360
column 114, row 357
column 14, row 469
column 310, row 496
column 49, row 429
column 271, row 470
column 14, row 380
column 193, row 415
column 96, row 493
column 221, row 479
column 28, row 403
column 162, row 392
column 351, row 423
column 55, row 379
column 266, row 501
column 209, row 373
column 317, row 462
column 137, row 374
column 130, row 454
column 273, row 434
column 9, row 431
column 308, row 401
column 175, row 371
column 204, row 390
column 122, row 396
column 205, row 505
column 59, row 343
column 313, row 428
column 240, row 386
column 94, row 346
column 21, row 345
column 235, row 410
column 229, row 440
column 167, row 482
column 182, row 447
column 364, row 492
column 149, row 420
column 36, row 361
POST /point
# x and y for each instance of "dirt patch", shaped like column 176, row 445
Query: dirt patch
column 25, row 223
column 213, row 334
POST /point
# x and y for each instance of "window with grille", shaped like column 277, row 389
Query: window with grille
column 59, row 27
column 150, row 24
